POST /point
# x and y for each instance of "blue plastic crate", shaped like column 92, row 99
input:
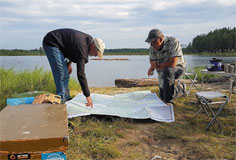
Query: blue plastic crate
column 17, row 101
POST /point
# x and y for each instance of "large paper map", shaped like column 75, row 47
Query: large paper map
column 135, row 105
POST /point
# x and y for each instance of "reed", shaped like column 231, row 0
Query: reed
column 13, row 83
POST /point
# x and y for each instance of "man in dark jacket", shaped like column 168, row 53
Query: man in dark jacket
column 75, row 46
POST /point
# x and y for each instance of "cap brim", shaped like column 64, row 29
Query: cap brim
column 149, row 39
column 100, row 55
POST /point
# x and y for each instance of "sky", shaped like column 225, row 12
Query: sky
column 120, row 23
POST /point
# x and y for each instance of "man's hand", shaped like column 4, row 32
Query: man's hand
column 69, row 67
column 150, row 71
column 89, row 102
column 152, row 68
column 153, row 64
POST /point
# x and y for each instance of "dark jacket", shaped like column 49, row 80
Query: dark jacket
column 75, row 46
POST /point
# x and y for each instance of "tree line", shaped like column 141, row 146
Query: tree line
column 40, row 51
column 218, row 41
column 21, row 52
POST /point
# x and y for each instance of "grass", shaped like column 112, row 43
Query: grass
column 115, row 138
column 184, row 131
column 13, row 83
column 93, row 138
column 198, row 70
column 208, row 144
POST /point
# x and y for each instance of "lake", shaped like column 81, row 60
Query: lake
column 103, row 73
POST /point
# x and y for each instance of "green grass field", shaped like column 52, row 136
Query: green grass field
column 106, row 137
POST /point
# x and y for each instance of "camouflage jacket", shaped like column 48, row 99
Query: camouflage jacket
column 171, row 48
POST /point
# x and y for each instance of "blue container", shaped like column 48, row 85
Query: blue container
column 17, row 101
column 54, row 155
column 215, row 65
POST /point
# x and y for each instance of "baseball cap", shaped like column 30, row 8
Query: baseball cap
column 100, row 45
column 153, row 34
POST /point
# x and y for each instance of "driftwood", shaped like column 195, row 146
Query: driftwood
column 142, row 82
column 110, row 59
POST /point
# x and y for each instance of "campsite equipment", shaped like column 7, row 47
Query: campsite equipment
column 17, row 101
column 47, row 98
column 235, row 69
column 34, row 131
column 226, row 68
column 231, row 68
column 214, row 65
column 206, row 100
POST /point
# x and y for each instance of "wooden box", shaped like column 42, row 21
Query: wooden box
column 31, row 131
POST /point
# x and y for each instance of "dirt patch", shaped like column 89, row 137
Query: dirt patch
column 143, row 142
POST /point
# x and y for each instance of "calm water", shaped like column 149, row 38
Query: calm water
column 103, row 73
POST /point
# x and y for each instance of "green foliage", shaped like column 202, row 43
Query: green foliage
column 21, row 52
column 220, row 40
column 93, row 138
column 126, row 51
column 198, row 70
column 214, row 43
column 13, row 83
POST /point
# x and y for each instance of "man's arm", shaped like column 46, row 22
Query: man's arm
column 170, row 63
column 152, row 68
column 69, row 67
column 83, row 81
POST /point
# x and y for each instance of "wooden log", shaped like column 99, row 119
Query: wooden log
column 142, row 82
column 110, row 59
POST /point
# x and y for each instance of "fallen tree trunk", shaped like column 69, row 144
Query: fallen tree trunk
column 142, row 82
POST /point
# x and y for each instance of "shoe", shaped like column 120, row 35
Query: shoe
column 170, row 104
column 69, row 98
column 184, row 89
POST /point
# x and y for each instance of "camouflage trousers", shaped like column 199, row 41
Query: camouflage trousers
column 168, row 91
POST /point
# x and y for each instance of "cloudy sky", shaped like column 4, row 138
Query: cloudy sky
column 120, row 23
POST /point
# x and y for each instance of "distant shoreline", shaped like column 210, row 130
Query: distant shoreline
column 110, row 59
column 133, row 54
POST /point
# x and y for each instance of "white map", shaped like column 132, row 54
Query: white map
column 135, row 105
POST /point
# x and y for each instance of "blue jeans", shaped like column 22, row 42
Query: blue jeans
column 60, row 71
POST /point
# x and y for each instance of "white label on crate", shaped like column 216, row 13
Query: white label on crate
column 18, row 156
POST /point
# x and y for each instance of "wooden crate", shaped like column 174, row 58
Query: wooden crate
column 47, row 98
column 31, row 131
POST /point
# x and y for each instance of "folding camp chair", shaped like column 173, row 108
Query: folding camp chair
column 206, row 100
column 193, row 80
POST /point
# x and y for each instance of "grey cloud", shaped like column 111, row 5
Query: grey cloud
column 121, row 23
